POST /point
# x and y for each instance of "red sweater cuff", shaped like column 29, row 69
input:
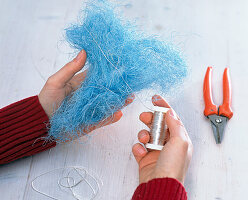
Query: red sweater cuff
column 22, row 126
column 160, row 189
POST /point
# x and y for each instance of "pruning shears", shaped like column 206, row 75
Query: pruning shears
column 218, row 116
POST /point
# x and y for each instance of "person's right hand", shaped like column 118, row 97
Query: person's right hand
column 174, row 158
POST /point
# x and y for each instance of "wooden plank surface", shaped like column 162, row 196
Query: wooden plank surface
column 208, row 32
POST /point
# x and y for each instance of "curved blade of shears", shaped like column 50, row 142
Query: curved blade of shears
column 218, row 124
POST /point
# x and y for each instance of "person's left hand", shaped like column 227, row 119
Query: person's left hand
column 65, row 81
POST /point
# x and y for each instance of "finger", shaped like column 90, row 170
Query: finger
column 69, row 70
column 129, row 100
column 139, row 152
column 146, row 118
column 144, row 136
column 159, row 101
column 110, row 120
column 78, row 79
column 175, row 125
column 115, row 118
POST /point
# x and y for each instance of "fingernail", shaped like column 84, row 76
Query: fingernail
column 156, row 98
column 141, row 150
column 142, row 134
column 79, row 56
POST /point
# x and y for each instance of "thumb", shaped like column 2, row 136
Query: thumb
column 139, row 152
column 70, row 69
column 175, row 125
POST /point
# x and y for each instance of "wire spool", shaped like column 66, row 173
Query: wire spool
column 158, row 129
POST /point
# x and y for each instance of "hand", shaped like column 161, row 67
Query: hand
column 174, row 158
column 65, row 81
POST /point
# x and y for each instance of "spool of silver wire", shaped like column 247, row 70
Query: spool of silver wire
column 158, row 129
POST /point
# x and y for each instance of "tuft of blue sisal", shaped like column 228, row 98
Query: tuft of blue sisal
column 121, row 61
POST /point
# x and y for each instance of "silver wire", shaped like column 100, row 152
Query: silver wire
column 158, row 129
column 95, row 189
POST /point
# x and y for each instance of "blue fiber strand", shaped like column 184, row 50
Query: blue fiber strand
column 121, row 61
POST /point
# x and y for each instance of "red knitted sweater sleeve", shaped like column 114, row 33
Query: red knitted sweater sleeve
column 22, row 124
column 160, row 189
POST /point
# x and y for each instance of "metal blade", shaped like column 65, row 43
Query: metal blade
column 215, row 131
column 218, row 124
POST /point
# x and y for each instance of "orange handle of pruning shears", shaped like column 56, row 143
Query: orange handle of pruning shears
column 225, row 108
column 210, row 108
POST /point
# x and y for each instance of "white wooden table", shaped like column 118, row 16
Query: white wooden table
column 208, row 32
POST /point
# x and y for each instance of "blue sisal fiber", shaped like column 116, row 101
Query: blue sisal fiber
column 121, row 61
